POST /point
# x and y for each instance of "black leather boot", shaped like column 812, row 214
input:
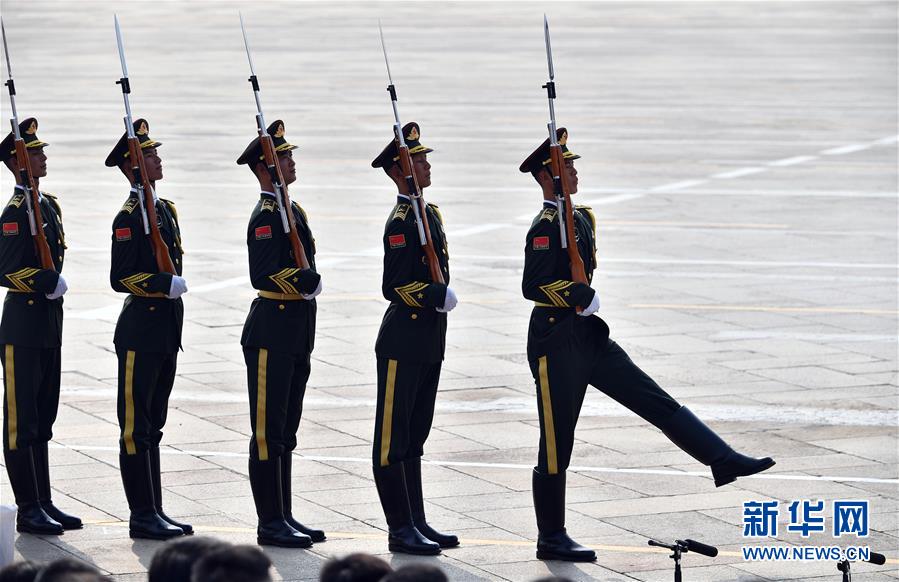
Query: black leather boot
column 703, row 444
column 30, row 518
column 553, row 542
column 42, row 467
column 273, row 530
column 402, row 535
column 317, row 535
column 155, row 472
column 412, row 468
column 137, row 479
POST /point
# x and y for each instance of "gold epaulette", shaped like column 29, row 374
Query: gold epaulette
column 436, row 210
column 589, row 211
column 171, row 206
column 548, row 214
column 129, row 205
column 269, row 205
column 400, row 211
column 54, row 203
column 16, row 200
column 302, row 212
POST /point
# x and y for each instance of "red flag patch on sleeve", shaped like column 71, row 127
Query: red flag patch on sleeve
column 263, row 232
column 122, row 234
column 397, row 241
column 10, row 228
column 541, row 243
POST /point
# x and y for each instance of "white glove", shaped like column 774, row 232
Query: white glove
column 315, row 293
column 449, row 303
column 593, row 307
column 178, row 288
column 60, row 290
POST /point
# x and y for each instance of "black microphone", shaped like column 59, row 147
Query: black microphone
column 705, row 550
column 878, row 559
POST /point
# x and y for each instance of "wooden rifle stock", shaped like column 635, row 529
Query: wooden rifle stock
column 274, row 168
column 415, row 196
column 41, row 246
column 578, row 274
column 139, row 170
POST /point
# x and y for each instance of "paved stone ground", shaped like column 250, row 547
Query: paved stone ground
column 741, row 159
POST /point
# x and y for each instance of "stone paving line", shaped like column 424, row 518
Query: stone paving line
column 573, row 468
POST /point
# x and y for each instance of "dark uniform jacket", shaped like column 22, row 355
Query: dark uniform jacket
column 29, row 318
column 148, row 322
column 282, row 326
column 547, row 282
column 412, row 329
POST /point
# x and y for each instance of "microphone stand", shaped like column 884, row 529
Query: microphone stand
column 844, row 567
column 677, row 549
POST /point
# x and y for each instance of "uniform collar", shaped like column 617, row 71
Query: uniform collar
column 267, row 193
column 550, row 204
column 402, row 198
column 155, row 197
column 22, row 188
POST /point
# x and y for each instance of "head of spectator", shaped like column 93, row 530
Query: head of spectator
column 70, row 570
column 233, row 564
column 355, row 568
column 417, row 573
column 175, row 560
column 19, row 572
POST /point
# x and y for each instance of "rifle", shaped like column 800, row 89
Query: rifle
column 288, row 221
column 560, row 178
column 23, row 161
column 415, row 194
column 139, row 171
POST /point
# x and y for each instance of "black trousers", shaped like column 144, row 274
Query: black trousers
column 407, row 392
column 31, row 379
column 277, row 384
column 562, row 378
column 145, row 384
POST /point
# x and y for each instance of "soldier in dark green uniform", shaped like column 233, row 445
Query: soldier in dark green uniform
column 277, row 341
column 409, row 349
column 147, row 339
column 31, row 336
column 567, row 350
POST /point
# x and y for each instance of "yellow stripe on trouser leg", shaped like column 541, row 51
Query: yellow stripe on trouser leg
column 12, row 417
column 549, row 428
column 128, row 435
column 261, row 376
column 387, row 421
